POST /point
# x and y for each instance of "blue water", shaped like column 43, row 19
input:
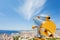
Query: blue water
column 8, row 31
column 13, row 31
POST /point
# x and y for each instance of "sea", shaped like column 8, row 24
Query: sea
column 14, row 31
column 8, row 31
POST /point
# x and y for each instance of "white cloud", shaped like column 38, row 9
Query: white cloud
column 30, row 7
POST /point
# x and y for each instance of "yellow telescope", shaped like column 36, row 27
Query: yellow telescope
column 45, row 26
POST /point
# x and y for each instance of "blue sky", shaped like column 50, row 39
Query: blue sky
column 18, row 14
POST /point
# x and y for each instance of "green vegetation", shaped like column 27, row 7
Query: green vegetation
column 16, row 37
column 53, row 38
